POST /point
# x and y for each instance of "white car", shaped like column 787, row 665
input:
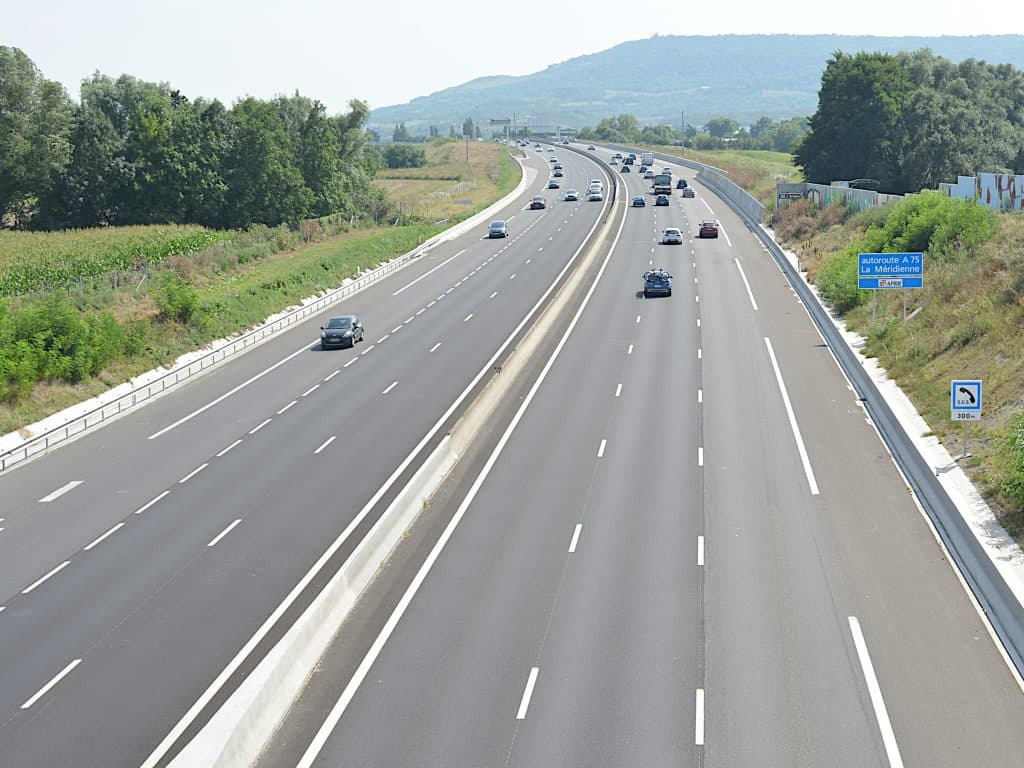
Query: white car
column 595, row 196
column 571, row 195
column 672, row 236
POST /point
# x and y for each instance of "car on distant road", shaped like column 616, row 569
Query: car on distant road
column 498, row 228
column 553, row 184
column 595, row 195
column 639, row 202
column 558, row 173
column 708, row 228
column 624, row 169
column 657, row 282
column 648, row 174
column 617, row 156
column 341, row 331
column 537, row 201
column 557, row 166
column 590, row 148
column 661, row 200
column 551, row 149
column 667, row 170
column 688, row 192
column 672, row 236
column 553, row 160
column 613, row 161
column 681, row 184
column 571, row 195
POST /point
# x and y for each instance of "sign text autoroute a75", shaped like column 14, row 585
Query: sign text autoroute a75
column 890, row 270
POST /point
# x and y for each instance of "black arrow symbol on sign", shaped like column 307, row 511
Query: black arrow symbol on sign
column 970, row 395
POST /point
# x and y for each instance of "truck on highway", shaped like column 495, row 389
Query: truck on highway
column 646, row 158
column 662, row 184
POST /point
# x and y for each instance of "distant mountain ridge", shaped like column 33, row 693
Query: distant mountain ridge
column 739, row 76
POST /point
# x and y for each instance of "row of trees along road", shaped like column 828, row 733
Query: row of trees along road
column 716, row 133
column 912, row 120
column 132, row 152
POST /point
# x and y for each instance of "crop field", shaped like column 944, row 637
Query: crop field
column 38, row 261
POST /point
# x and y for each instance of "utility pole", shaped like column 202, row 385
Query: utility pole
column 682, row 128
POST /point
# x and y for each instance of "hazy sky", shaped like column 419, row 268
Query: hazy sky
column 389, row 52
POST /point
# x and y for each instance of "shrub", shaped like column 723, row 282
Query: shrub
column 175, row 298
column 404, row 156
column 837, row 281
column 1012, row 485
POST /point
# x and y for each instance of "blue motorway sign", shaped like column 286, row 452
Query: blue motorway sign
column 890, row 270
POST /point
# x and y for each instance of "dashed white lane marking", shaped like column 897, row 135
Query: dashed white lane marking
column 600, row 450
column 384, row 338
column 493, row 295
column 434, row 348
column 368, row 349
column 3, row 608
column 512, row 276
column 353, row 361
column 325, row 443
column 259, row 426
column 100, row 538
column 700, row 353
column 216, row 539
column 528, row 261
column 697, row 297
column 698, row 726
column 700, row 395
column 311, row 390
column 194, row 472
column 391, row 386
column 467, row 318
column 700, row 550
column 638, row 318
column 293, row 402
column 409, row 319
column 575, row 537
column 331, row 376
column 56, row 679
column 804, row 458
column 892, row 749
column 618, row 390
column 149, row 504
column 698, row 322
column 225, row 450
column 425, row 274
column 396, row 329
column 743, row 274
column 629, row 351
column 42, row 579
column 449, row 290
column 524, row 704
column 700, row 456
column 60, row 491
column 420, row 312
column 430, row 304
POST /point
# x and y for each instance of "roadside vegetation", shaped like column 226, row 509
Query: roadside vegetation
column 966, row 322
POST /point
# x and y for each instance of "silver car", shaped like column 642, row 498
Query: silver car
column 498, row 228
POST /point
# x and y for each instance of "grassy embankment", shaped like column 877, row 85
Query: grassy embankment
column 125, row 300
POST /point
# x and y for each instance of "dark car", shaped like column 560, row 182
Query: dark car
column 661, row 200
column 538, row 202
column 625, row 169
column 657, row 282
column 688, row 192
column 681, row 184
column 629, row 160
column 341, row 331
column 708, row 228
column 639, row 202
column 498, row 228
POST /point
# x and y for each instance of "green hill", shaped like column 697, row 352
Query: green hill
column 741, row 76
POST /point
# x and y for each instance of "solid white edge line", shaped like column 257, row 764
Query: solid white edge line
column 216, row 539
column 194, row 472
column 331, row 721
column 698, row 725
column 293, row 402
column 227, row 394
column 391, row 386
column 804, row 458
column 53, row 496
column 225, row 450
column 100, row 538
column 600, row 450
column 575, row 537
column 707, row 206
column 725, row 234
column 56, row 679
column 892, row 749
column 743, row 274
column 158, row 754
column 427, row 274
column 524, row 703
column 149, row 504
column 700, row 550
column 326, row 442
column 40, row 580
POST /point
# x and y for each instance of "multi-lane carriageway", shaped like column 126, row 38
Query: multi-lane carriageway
column 688, row 547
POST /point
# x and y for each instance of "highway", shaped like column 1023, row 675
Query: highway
column 688, row 548
column 139, row 563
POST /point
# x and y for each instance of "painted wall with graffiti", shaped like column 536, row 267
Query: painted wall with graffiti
column 998, row 191
column 823, row 194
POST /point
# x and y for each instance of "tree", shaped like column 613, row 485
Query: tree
column 400, row 133
column 404, row 156
column 762, row 127
column 434, row 131
column 35, row 128
column 658, row 134
column 722, row 127
column 467, row 127
column 853, row 130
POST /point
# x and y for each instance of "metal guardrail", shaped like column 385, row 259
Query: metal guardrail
column 43, row 442
column 996, row 598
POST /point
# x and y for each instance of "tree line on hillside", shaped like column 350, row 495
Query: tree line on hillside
column 133, row 152
column 912, row 120
column 716, row 133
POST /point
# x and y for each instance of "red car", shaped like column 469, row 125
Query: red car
column 708, row 228
column 539, row 202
